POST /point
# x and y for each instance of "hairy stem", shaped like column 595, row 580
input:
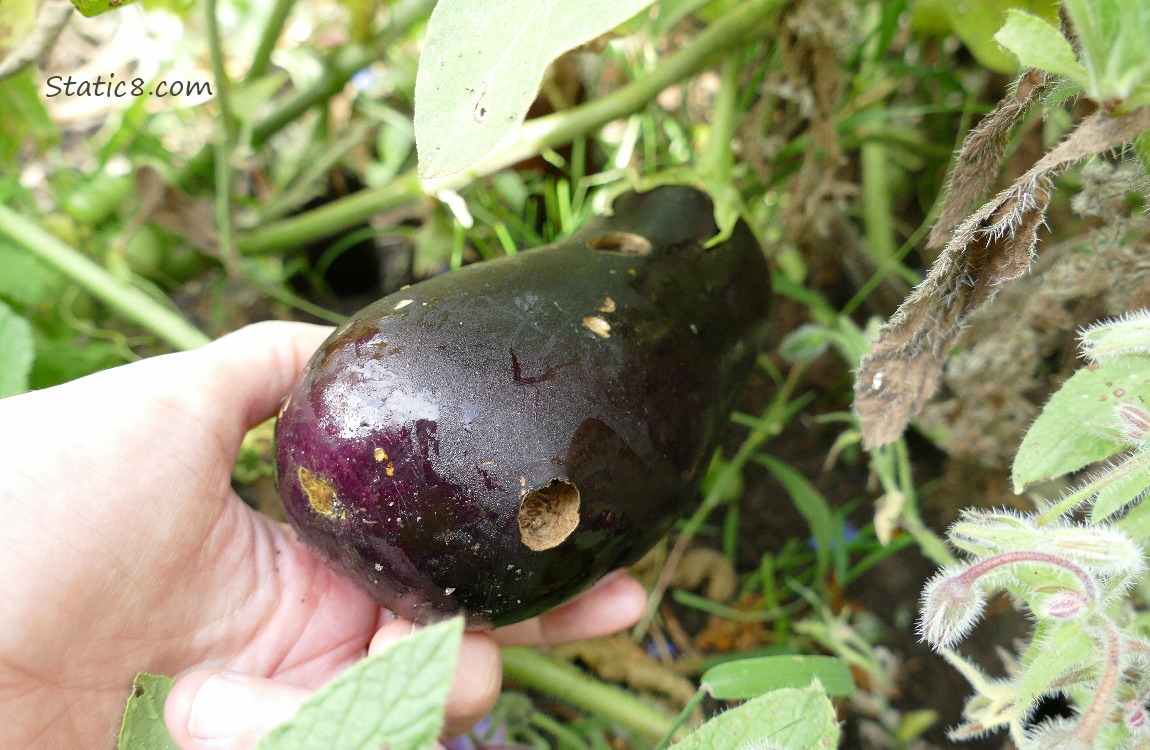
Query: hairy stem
column 126, row 299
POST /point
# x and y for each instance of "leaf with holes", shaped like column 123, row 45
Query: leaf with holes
column 482, row 64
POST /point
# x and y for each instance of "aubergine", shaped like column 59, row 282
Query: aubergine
column 491, row 441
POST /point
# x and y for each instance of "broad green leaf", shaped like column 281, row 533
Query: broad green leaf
column 143, row 727
column 482, row 64
column 394, row 699
column 24, row 116
column 791, row 718
column 1136, row 523
column 1054, row 648
column 59, row 360
column 747, row 678
column 1037, row 43
column 1077, row 425
column 17, row 348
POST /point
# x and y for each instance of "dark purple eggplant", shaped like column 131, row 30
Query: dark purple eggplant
column 493, row 440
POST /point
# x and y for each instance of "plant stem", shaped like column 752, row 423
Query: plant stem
column 271, row 33
column 126, row 299
column 338, row 69
column 535, row 136
column 717, row 160
column 330, row 218
column 567, row 683
column 226, row 138
column 681, row 719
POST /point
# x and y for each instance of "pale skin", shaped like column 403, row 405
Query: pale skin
column 123, row 548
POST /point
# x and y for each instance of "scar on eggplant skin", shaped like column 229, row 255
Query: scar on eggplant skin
column 320, row 495
column 548, row 515
column 624, row 243
column 518, row 376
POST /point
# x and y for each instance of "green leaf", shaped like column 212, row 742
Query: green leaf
column 791, row 718
column 1123, row 489
column 396, row 698
column 975, row 21
column 1054, row 648
column 1112, row 35
column 748, row 678
column 18, row 348
column 1077, row 427
column 143, row 727
column 1037, row 43
column 808, row 501
column 25, row 281
column 482, row 64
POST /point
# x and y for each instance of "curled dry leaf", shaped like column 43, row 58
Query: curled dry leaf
column 993, row 245
column 983, row 150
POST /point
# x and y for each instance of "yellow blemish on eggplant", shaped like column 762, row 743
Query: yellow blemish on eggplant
column 320, row 495
column 608, row 305
column 380, row 455
column 403, row 303
column 598, row 326
column 390, row 470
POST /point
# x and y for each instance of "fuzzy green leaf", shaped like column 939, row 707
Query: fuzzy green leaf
column 1037, row 43
column 1112, row 35
column 1077, row 425
column 1123, row 489
column 482, row 64
column 747, row 678
column 143, row 727
column 17, row 347
column 794, row 718
column 1055, row 648
column 395, row 698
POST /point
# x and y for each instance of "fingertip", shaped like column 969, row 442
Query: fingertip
column 616, row 602
column 219, row 710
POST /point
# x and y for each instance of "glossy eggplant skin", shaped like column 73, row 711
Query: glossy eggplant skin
column 427, row 424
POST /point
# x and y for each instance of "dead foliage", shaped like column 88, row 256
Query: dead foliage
column 992, row 245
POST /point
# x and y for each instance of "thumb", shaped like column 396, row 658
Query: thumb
column 228, row 710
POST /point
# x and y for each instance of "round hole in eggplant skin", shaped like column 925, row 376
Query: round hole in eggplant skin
column 548, row 515
column 624, row 243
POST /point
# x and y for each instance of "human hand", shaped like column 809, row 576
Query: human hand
column 123, row 548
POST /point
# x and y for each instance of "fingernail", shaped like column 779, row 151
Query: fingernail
column 221, row 707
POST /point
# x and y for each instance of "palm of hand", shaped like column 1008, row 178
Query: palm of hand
column 131, row 552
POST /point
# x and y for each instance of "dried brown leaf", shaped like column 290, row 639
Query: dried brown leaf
column 993, row 245
column 980, row 158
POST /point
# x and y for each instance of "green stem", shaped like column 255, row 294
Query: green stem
column 337, row 71
column 269, row 37
column 717, row 160
column 561, row 680
column 330, row 218
column 878, row 219
column 681, row 719
column 126, row 299
column 225, row 141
